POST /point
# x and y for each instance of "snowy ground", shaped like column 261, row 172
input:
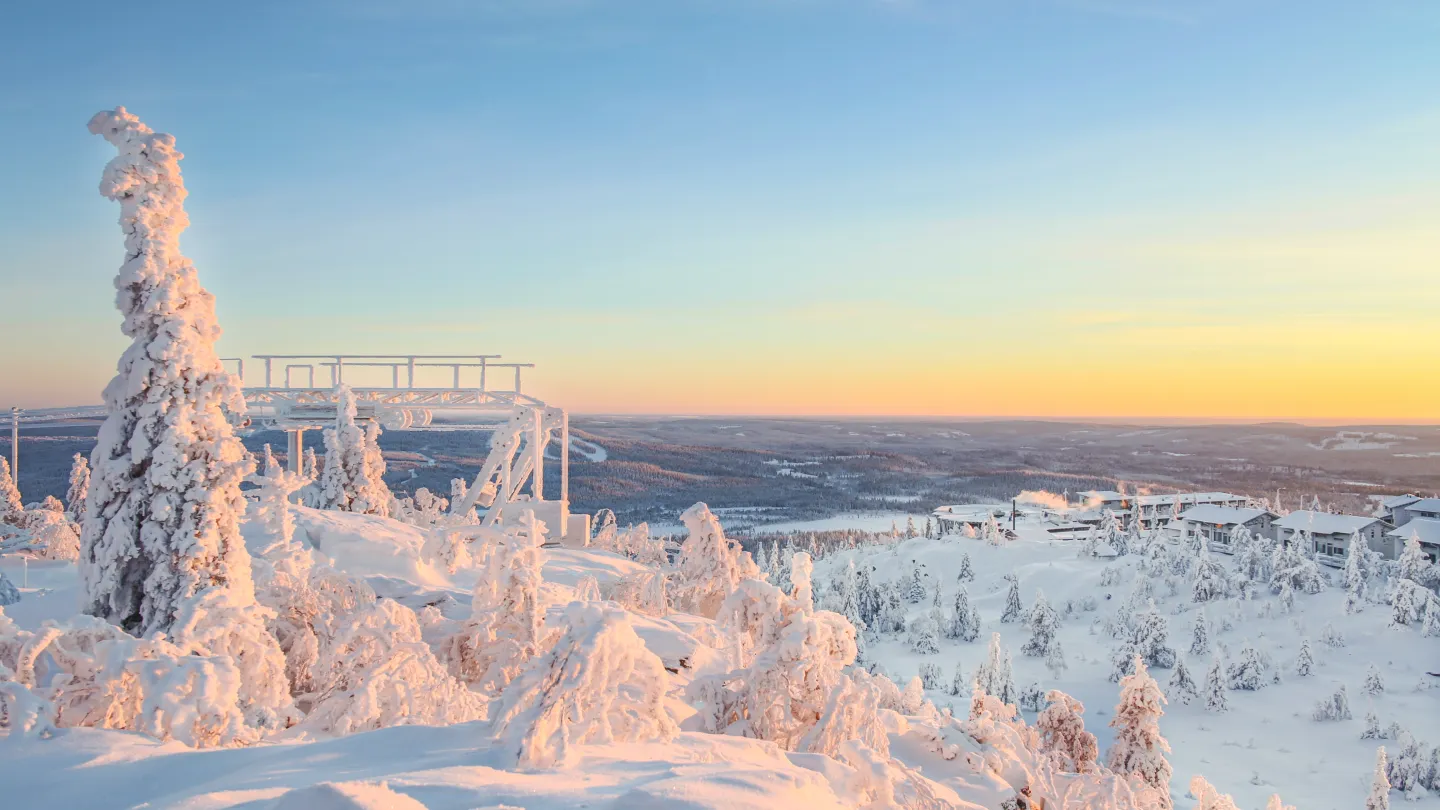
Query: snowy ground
column 1265, row 744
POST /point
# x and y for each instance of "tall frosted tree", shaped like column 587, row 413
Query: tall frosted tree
column 163, row 516
column 352, row 480
column 1139, row 748
column 79, row 487
column 10, row 504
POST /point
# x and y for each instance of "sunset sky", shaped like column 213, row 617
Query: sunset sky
column 1201, row 209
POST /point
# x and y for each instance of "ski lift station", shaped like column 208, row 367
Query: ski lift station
column 296, row 394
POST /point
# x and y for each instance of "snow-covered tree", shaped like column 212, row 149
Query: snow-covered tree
column 599, row 684
column 1354, row 577
column 1374, row 682
column 961, row 679
column 1208, row 798
column 78, row 488
column 710, row 565
column 1215, row 685
column 1139, row 748
column 914, row 585
column 506, row 625
column 162, row 522
column 1200, row 635
column 1372, row 726
column 353, row 478
column 931, row 675
column 1248, row 671
column 1063, row 736
column 1013, row 607
column 912, row 699
column 801, row 569
column 996, row 676
column 1331, row 637
column 1210, row 582
column 1044, row 622
column 1305, row 659
column 1182, row 687
column 11, row 507
column 1379, row 798
column 1414, row 565
column 1409, row 602
column 1334, row 707
column 924, row 635
column 967, row 572
column 1409, row 770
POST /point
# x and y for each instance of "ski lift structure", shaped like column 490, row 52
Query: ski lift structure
column 432, row 393
column 411, row 392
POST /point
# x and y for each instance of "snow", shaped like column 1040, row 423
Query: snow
column 1323, row 522
column 1220, row 515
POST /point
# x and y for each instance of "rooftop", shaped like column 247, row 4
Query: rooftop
column 1427, row 529
column 1324, row 522
column 1425, row 505
column 1221, row 515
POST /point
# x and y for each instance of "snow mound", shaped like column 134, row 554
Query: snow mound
column 346, row 796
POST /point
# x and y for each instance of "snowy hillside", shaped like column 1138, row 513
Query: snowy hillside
column 1265, row 742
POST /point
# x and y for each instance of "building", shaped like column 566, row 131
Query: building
column 1423, row 508
column 1217, row 524
column 1395, row 509
column 1427, row 530
column 1330, row 534
column 1154, row 509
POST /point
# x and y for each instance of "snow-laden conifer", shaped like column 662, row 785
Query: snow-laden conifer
column 11, row 507
column 710, row 565
column 1379, row 798
column 352, row 480
column 79, row 486
column 1063, row 736
column 1305, row 659
column 1139, row 748
column 1374, row 682
column 1182, row 687
column 964, row 622
column 1215, row 685
column 1013, row 607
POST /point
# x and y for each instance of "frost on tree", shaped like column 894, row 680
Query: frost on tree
column 1379, row 798
column 1182, row 687
column 996, row 676
column 11, row 507
column 1215, row 685
column 79, row 485
column 1044, row 622
column 1012, row 601
column 599, row 684
column 710, row 565
column 506, row 625
column 964, row 622
column 163, row 515
column 353, row 479
column 1139, row 748
column 1063, row 736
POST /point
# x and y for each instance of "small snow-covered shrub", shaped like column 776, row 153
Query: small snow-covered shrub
column 598, row 684
column 378, row 672
column 1334, row 707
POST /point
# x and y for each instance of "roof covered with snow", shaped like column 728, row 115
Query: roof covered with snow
column 1221, row 515
column 1398, row 500
column 1427, row 529
column 1425, row 505
column 1324, row 522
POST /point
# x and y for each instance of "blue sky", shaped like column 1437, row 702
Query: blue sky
column 763, row 206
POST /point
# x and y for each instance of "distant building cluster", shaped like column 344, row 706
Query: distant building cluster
column 1215, row 517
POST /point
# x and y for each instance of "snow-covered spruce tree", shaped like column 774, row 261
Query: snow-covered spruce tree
column 851, row 716
column 1379, row 798
column 1409, row 770
column 1331, row 637
column 967, row 571
column 79, row 487
column 1182, row 687
column 1305, row 659
column 506, row 625
column 914, row 585
column 1414, row 565
column 710, row 566
column 1408, row 602
column 1044, row 622
column 912, row 698
column 996, row 676
column 931, row 676
column 1372, row 726
column 752, row 617
column 1139, row 748
column 924, row 635
column 1374, row 682
column 349, row 482
column 11, row 507
column 1248, row 671
column 801, row 591
column 960, row 681
column 1012, row 601
column 1200, row 635
column 1210, row 581
column 1353, row 576
column 1214, row 687
column 964, row 622
column 161, row 536
column 1063, row 736
column 599, row 684
column 1334, row 707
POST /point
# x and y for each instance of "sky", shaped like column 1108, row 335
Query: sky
column 1178, row 209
